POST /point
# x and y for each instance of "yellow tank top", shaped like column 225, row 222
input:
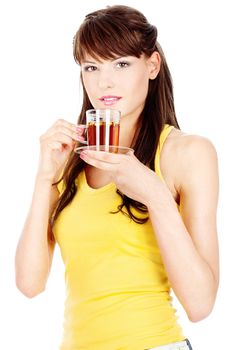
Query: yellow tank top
column 117, row 288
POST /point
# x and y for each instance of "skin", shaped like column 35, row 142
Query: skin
column 190, row 170
column 126, row 77
column 187, row 238
column 35, row 249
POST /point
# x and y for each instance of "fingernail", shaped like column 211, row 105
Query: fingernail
column 80, row 139
column 80, row 127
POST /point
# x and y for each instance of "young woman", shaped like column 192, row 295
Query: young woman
column 129, row 226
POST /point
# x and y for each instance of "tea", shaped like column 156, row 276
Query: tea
column 102, row 130
column 103, row 134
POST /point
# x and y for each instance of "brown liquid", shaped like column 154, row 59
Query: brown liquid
column 114, row 132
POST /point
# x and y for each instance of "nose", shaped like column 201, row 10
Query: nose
column 105, row 80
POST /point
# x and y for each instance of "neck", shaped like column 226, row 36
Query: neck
column 128, row 131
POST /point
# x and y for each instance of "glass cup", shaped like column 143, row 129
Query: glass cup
column 102, row 130
column 103, row 127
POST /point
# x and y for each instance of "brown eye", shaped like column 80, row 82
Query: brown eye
column 122, row 64
column 90, row 68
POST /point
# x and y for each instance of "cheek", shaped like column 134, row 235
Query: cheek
column 138, row 85
column 88, row 85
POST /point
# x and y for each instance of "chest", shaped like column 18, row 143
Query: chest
column 97, row 178
column 88, row 229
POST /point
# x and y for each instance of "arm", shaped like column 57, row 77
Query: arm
column 188, row 240
column 35, row 248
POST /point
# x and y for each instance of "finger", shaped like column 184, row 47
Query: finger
column 60, row 138
column 99, row 163
column 63, row 126
column 65, row 123
column 60, row 130
column 80, row 129
column 80, row 138
column 107, row 157
column 66, row 131
column 55, row 146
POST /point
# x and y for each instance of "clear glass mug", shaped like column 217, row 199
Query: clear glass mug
column 102, row 130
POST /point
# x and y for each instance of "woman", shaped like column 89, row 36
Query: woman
column 129, row 226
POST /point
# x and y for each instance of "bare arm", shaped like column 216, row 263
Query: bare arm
column 188, row 240
column 35, row 248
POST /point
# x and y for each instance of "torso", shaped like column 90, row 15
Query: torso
column 96, row 178
column 89, row 241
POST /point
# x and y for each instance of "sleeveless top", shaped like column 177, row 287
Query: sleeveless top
column 117, row 290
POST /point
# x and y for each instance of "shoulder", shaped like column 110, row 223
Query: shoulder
column 186, row 156
column 189, row 146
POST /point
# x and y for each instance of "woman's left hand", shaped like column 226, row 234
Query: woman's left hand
column 131, row 177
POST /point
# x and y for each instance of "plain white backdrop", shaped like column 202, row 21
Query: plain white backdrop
column 39, row 83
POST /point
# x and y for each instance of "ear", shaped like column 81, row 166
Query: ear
column 154, row 62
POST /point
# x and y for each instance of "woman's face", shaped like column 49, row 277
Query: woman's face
column 120, row 83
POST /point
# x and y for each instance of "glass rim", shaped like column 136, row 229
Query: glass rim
column 103, row 111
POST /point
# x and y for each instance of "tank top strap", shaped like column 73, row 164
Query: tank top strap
column 164, row 134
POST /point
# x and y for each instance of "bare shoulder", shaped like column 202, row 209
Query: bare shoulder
column 188, row 145
column 185, row 154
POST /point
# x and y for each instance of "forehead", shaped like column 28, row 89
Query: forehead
column 96, row 59
column 87, row 57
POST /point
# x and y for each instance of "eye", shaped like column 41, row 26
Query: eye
column 90, row 68
column 122, row 64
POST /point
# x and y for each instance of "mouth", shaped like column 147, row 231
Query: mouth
column 109, row 100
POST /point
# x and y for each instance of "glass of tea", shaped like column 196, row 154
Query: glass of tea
column 102, row 131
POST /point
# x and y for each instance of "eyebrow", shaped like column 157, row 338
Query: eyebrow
column 89, row 62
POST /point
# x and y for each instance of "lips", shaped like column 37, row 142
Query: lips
column 109, row 100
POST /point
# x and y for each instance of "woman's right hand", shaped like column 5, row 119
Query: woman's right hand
column 55, row 147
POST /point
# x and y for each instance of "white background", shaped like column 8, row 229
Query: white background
column 39, row 83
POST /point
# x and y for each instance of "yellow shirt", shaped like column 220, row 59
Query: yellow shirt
column 117, row 288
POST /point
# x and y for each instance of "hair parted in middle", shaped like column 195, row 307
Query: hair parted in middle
column 119, row 31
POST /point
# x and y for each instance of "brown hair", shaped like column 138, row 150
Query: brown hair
column 106, row 34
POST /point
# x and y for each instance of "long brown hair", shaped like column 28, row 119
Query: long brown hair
column 106, row 34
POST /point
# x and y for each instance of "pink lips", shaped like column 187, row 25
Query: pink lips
column 109, row 100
